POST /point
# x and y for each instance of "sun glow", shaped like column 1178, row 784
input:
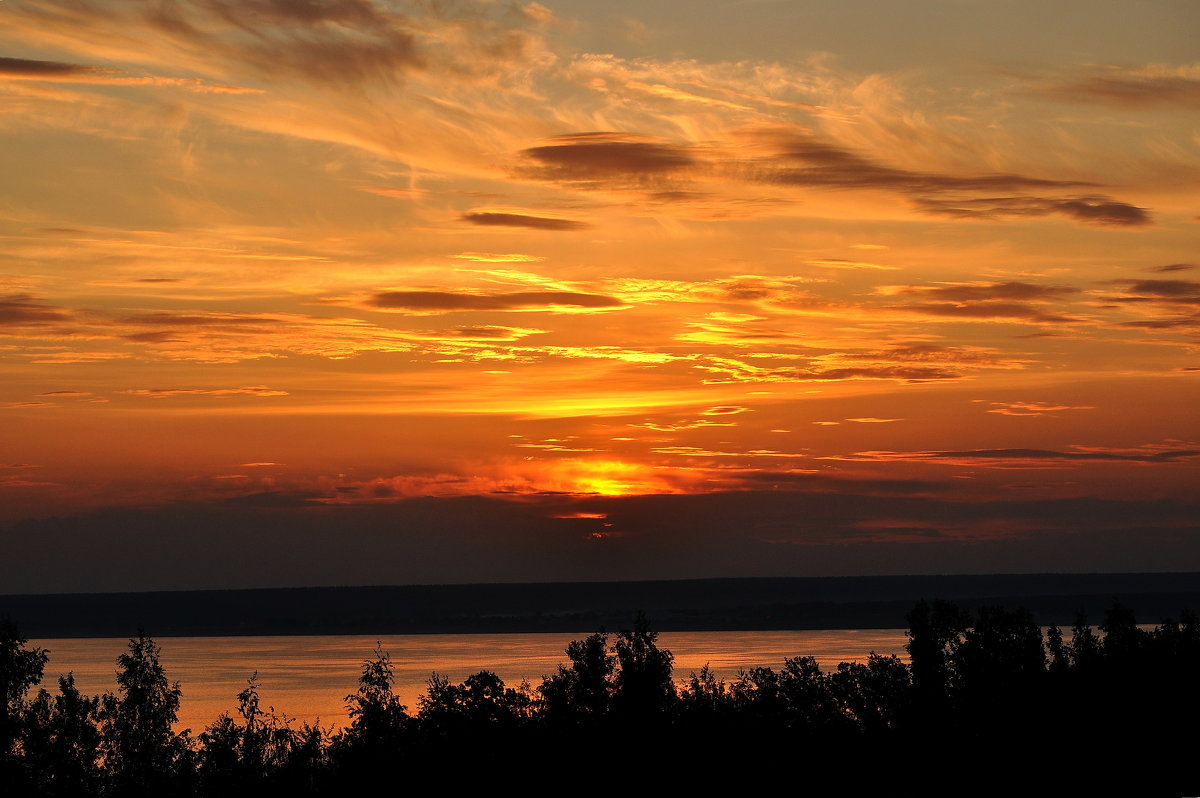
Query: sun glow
column 605, row 477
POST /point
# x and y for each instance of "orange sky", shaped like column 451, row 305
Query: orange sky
column 575, row 290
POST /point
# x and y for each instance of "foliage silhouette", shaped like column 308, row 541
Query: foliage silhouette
column 581, row 693
column 62, row 740
column 20, row 669
column 142, row 754
column 260, row 752
column 984, row 692
column 642, row 686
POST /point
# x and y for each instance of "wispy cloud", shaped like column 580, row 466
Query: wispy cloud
column 1139, row 88
column 246, row 390
column 450, row 301
column 1033, row 458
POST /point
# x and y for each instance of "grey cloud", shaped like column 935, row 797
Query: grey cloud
column 987, row 310
column 277, row 539
column 449, row 301
column 1091, row 209
column 799, row 158
column 192, row 320
column 991, row 291
column 1162, row 324
column 155, row 337
column 1042, row 454
column 26, row 68
column 1132, row 91
column 1186, row 292
column 491, row 219
column 24, row 309
column 589, row 157
column 823, row 164
column 349, row 42
column 907, row 373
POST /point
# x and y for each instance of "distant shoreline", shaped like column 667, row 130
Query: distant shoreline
column 738, row 604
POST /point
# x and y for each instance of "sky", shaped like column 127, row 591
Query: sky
column 305, row 292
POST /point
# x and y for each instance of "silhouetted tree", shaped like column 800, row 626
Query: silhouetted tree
column 810, row 705
column 1001, row 648
column 62, row 740
column 935, row 632
column 643, row 684
column 142, row 753
column 755, row 696
column 1085, row 648
column 999, row 668
column 1060, row 655
column 378, row 721
column 703, row 698
column 875, row 694
column 20, row 669
column 479, row 708
column 1123, row 640
column 584, row 689
column 246, row 755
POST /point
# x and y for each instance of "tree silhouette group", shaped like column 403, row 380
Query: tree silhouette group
column 986, row 703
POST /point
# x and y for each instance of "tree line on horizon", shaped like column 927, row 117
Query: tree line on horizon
column 983, row 695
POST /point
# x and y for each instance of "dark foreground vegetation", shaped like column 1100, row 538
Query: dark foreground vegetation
column 988, row 705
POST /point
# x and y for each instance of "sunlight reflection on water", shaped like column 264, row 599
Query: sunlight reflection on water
column 308, row 677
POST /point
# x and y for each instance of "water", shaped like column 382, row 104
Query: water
column 308, row 677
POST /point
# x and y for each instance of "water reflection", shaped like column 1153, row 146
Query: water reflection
column 308, row 677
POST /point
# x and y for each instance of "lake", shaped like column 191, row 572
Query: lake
column 308, row 677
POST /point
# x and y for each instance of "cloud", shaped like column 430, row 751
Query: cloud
column 1174, row 267
column 21, row 68
column 1032, row 408
column 453, row 302
column 842, row 263
column 970, row 356
column 248, row 390
column 497, row 219
column 395, row 193
column 603, row 158
column 982, row 292
column 792, row 156
column 1142, row 88
column 977, row 300
column 211, row 336
column 167, row 319
column 22, row 309
column 682, row 425
column 1091, row 209
column 26, row 68
column 346, row 43
column 987, row 310
column 725, row 410
column 496, row 257
column 1183, row 292
column 696, row 451
column 734, row 371
column 274, row 538
column 1152, row 454
column 799, row 158
column 493, row 333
